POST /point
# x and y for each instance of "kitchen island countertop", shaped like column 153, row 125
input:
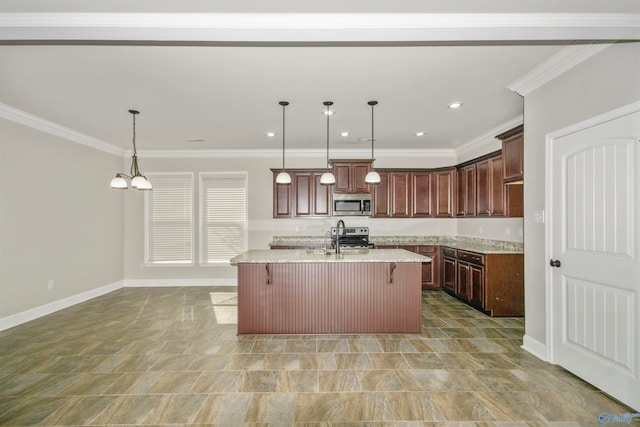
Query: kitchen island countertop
column 311, row 256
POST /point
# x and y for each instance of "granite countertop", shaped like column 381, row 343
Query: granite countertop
column 472, row 244
column 311, row 256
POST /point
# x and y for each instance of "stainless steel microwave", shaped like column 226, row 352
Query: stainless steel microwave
column 352, row 204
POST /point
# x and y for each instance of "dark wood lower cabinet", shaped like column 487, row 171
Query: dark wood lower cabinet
column 430, row 270
column 493, row 283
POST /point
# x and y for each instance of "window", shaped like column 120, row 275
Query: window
column 223, row 216
column 169, row 219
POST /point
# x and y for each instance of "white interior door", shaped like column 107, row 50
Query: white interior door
column 595, row 283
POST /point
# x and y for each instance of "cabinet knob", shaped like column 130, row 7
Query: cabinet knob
column 555, row 263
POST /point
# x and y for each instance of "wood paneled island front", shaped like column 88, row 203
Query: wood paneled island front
column 305, row 292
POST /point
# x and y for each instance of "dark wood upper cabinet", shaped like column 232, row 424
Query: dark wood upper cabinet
column 444, row 193
column 304, row 198
column 281, row 199
column 490, row 187
column 350, row 176
column 380, row 197
column 513, row 154
column 422, row 185
column 466, row 191
column 400, row 194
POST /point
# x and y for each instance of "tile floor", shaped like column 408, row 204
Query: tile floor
column 159, row 356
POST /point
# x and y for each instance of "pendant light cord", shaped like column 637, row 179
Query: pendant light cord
column 373, row 104
column 283, row 108
column 328, row 104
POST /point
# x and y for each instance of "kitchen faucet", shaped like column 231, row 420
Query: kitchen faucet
column 338, row 234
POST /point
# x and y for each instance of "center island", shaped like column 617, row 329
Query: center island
column 299, row 291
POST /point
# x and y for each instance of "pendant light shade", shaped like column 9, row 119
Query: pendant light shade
column 372, row 177
column 138, row 180
column 327, row 178
column 283, row 177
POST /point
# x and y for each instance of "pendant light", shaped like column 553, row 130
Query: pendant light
column 138, row 180
column 327, row 178
column 372, row 177
column 283, row 177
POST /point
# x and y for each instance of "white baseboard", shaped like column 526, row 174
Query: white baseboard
column 160, row 283
column 52, row 307
column 535, row 347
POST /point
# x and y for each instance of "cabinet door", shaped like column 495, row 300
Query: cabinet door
column 483, row 188
column 321, row 196
column 476, row 278
column 430, row 270
column 497, row 201
column 422, row 183
column 467, row 191
column 400, row 197
column 342, row 172
column 303, row 192
column 281, row 199
column 445, row 183
column 449, row 279
column 359, row 173
column 513, row 153
column 464, row 280
column 381, row 197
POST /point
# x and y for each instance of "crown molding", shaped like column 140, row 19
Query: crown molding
column 344, row 28
column 293, row 153
column 559, row 63
column 488, row 140
column 38, row 123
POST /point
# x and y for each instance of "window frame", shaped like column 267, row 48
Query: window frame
column 202, row 228
column 146, row 261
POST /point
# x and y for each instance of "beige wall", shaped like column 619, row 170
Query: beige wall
column 262, row 225
column 58, row 219
column 604, row 82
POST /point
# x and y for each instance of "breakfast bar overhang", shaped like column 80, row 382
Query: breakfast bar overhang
column 305, row 292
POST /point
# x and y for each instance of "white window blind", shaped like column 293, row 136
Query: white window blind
column 223, row 216
column 169, row 219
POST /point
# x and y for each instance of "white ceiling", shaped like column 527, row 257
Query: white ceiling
column 227, row 93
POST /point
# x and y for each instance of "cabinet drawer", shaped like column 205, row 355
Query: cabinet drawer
column 471, row 257
column 426, row 250
column 449, row 252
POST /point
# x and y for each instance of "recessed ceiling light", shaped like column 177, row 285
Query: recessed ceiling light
column 270, row 134
column 419, row 133
column 454, row 105
column 344, row 134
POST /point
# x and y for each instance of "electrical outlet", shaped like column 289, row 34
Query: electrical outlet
column 50, row 284
column 538, row 216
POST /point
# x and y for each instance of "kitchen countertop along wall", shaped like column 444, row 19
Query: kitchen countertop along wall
column 472, row 244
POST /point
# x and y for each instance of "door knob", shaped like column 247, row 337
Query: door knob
column 555, row 263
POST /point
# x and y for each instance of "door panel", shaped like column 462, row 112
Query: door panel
column 594, row 231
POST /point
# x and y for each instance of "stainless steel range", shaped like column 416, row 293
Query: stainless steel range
column 351, row 237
